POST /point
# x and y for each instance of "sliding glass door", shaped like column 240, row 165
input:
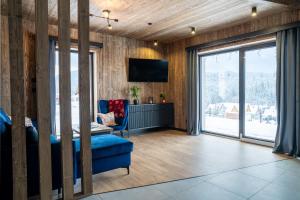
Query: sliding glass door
column 238, row 92
column 260, row 93
column 220, row 93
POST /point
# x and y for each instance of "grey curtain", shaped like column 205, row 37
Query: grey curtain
column 288, row 92
column 193, row 93
column 52, row 46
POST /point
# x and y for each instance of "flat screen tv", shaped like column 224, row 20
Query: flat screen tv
column 148, row 70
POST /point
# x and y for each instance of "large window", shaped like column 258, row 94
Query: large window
column 220, row 93
column 238, row 92
column 74, row 89
column 260, row 93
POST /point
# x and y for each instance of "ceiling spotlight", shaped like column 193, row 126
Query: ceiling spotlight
column 155, row 43
column 193, row 30
column 149, row 23
column 254, row 12
column 109, row 26
column 106, row 13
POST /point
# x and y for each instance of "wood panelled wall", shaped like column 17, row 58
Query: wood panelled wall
column 111, row 66
column 112, row 72
column 176, row 54
column 112, row 61
column 29, row 70
column 4, row 67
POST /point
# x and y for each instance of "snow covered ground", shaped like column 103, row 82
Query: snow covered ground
column 230, row 127
column 75, row 116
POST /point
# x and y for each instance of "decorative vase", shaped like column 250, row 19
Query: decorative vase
column 150, row 100
column 135, row 101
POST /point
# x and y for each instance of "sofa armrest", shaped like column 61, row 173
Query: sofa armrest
column 56, row 163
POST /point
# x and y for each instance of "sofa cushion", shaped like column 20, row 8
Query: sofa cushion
column 4, row 123
column 5, row 130
column 106, row 146
column 5, row 117
column 2, row 127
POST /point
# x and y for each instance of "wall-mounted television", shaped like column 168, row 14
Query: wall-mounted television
column 148, row 70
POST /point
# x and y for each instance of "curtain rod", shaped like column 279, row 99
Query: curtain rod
column 245, row 36
column 74, row 41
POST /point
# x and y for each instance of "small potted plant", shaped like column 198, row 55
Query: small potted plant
column 135, row 94
column 162, row 97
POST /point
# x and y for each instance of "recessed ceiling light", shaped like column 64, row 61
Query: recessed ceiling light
column 149, row 23
column 193, row 30
column 109, row 26
column 254, row 12
column 155, row 43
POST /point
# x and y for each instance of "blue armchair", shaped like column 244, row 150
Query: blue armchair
column 122, row 123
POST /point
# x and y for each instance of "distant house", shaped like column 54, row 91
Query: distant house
column 232, row 110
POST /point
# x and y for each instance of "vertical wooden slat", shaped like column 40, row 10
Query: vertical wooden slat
column 84, row 96
column 43, row 97
column 19, row 167
column 1, row 90
column 65, row 97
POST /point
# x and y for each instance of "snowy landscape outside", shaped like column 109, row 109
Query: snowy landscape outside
column 220, row 93
column 74, row 91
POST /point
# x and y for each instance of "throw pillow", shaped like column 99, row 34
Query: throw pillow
column 107, row 119
column 117, row 106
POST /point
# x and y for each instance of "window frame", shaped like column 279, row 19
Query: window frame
column 242, row 75
column 92, row 78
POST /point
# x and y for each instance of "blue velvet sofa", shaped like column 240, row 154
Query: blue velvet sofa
column 108, row 152
column 32, row 159
column 122, row 123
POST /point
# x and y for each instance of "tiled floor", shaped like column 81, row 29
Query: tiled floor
column 278, row 180
column 170, row 155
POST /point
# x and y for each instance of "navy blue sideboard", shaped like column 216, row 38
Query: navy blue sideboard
column 145, row 116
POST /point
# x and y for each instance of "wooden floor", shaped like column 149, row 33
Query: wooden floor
column 171, row 155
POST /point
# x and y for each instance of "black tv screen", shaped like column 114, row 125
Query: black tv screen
column 148, row 70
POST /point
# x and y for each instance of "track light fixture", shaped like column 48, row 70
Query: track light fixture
column 155, row 43
column 105, row 15
column 254, row 12
column 193, row 30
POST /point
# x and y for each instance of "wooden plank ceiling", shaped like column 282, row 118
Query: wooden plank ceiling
column 171, row 18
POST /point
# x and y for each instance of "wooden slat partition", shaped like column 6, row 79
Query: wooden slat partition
column 84, row 97
column 19, row 167
column 43, row 97
column 64, row 44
